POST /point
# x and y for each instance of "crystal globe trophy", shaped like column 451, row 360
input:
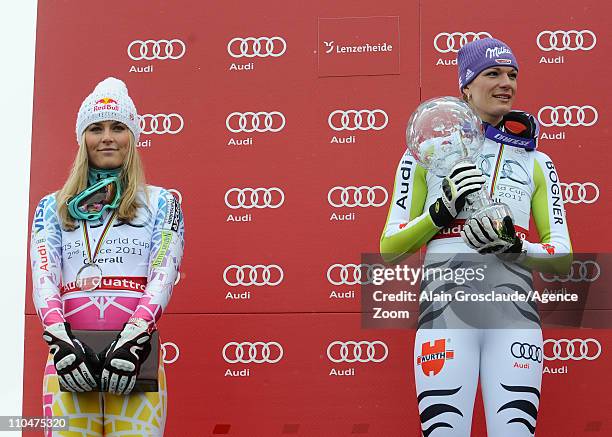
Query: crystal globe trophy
column 444, row 131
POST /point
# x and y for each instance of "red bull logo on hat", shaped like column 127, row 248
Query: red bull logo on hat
column 106, row 104
column 433, row 356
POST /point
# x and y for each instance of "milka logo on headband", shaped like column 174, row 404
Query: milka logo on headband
column 495, row 52
column 106, row 104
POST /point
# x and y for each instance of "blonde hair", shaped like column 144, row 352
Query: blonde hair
column 132, row 179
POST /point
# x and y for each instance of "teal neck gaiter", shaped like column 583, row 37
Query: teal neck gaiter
column 97, row 174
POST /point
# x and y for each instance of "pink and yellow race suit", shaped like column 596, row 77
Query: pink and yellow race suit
column 139, row 262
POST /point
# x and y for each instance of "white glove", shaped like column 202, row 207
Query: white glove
column 481, row 236
column 464, row 179
column 75, row 363
column 122, row 359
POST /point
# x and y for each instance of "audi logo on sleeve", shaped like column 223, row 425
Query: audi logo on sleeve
column 170, row 352
column 575, row 349
column 161, row 123
column 252, row 352
column 357, row 351
column 261, row 47
column 259, row 198
column 150, row 49
column 561, row 116
column 561, row 40
column 580, row 271
column 526, row 351
column 362, row 119
column 451, row 42
column 576, row 192
column 258, row 275
column 362, row 196
column 351, row 274
column 255, row 122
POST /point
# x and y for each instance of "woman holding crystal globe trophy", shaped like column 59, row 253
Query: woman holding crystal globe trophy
column 105, row 252
column 466, row 187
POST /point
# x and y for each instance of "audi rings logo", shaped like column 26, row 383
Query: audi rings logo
column 257, row 275
column 560, row 40
column 363, row 119
column 576, row 192
column 362, row 196
column 451, row 42
column 256, row 352
column 255, row 122
column 259, row 198
column 261, row 47
column 357, row 351
column 170, row 352
column 161, row 123
column 576, row 349
column 580, row 271
column 161, row 49
column 351, row 274
column 561, row 116
column 526, row 351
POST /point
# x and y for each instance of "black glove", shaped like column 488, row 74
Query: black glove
column 464, row 179
column 123, row 357
column 521, row 124
column 481, row 236
column 76, row 364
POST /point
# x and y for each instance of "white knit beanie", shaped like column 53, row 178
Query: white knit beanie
column 108, row 101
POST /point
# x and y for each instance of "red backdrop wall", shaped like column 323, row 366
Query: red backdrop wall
column 329, row 116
